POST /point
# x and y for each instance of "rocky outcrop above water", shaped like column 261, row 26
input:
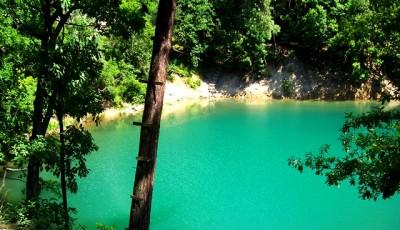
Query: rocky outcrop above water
column 297, row 80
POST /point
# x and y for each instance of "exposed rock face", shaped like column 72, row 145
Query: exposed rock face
column 297, row 80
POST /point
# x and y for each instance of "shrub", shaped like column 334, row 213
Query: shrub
column 193, row 83
column 41, row 214
column 121, row 81
column 288, row 88
column 179, row 69
column 170, row 77
column 132, row 90
column 291, row 68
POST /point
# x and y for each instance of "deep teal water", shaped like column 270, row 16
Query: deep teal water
column 224, row 166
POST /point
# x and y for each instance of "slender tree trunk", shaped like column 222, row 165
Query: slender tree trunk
column 40, row 125
column 150, row 126
column 42, row 111
column 62, row 170
column 39, row 128
column 32, row 179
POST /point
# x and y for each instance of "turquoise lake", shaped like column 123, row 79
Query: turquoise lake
column 225, row 166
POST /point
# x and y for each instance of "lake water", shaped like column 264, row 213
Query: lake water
column 225, row 166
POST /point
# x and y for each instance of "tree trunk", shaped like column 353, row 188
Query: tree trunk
column 150, row 126
column 42, row 111
column 62, row 170
column 32, row 178
column 39, row 128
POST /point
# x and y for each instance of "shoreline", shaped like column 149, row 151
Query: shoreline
column 308, row 84
column 112, row 114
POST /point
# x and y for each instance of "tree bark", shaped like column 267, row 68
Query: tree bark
column 42, row 110
column 40, row 125
column 150, row 126
column 38, row 129
column 60, row 117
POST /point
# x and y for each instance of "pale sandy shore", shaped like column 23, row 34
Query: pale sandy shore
column 177, row 96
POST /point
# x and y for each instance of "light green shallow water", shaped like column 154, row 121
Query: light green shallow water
column 225, row 167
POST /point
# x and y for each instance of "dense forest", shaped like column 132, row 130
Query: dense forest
column 69, row 58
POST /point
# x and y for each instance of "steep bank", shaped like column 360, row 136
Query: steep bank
column 292, row 79
column 298, row 80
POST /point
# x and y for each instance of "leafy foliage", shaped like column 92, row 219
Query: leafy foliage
column 79, row 143
column 288, row 87
column 16, row 92
column 219, row 32
column 121, row 82
column 47, row 214
column 103, row 227
column 244, row 28
column 193, row 83
column 57, row 43
column 194, row 29
column 127, row 59
column 362, row 34
column 372, row 160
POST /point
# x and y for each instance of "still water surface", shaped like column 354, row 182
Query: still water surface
column 224, row 166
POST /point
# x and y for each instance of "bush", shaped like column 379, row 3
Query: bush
column 132, row 90
column 170, row 77
column 179, row 69
column 42, row 214
column 103, row 227
column 121, row 80
column 288, row 88
column 193, row 83
column 183, row 71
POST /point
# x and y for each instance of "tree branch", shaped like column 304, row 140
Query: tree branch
column 49, row 112
column 3, row 182
column 16, row 170
column 94, row 25
column 63, row 19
